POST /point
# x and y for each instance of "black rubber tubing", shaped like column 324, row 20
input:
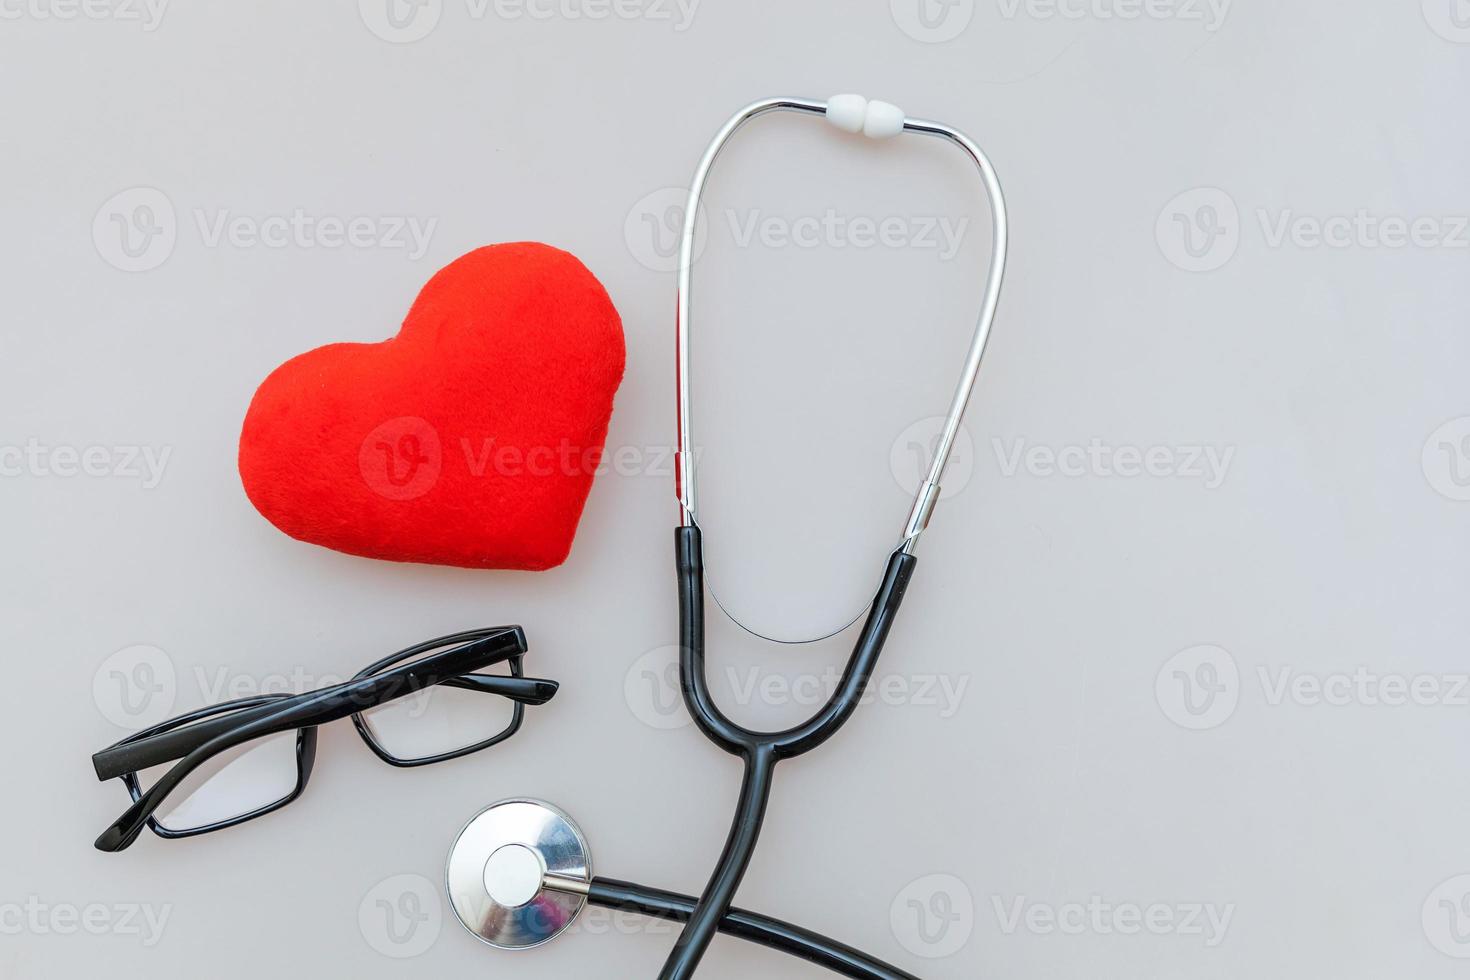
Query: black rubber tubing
column 750, row 926
column 759, row 750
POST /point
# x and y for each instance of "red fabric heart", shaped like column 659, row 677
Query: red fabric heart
column 469, row 439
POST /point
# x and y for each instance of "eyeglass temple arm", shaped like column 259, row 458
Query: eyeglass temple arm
column 137, row 754
column 525, row 690
column 309, row 710
column 155, row 750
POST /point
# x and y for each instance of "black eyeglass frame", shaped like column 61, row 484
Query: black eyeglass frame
column 192, row 739
column 518, row 711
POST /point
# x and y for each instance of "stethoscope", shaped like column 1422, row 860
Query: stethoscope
column 520, row 872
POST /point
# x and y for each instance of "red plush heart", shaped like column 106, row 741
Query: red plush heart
column 469, row 439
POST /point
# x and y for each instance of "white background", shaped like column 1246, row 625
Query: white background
column 1211, row 212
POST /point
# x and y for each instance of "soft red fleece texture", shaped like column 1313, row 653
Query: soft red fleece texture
column 469, row 439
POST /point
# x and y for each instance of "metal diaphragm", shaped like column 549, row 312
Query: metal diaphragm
column 496, row 870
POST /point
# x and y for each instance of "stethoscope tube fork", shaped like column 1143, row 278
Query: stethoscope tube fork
column 760, row 751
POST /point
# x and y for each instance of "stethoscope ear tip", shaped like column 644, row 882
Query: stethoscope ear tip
column 518, row 873
column 856, row 114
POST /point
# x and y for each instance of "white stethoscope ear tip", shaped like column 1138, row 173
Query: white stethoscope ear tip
column 847, row 112
column 855, row 114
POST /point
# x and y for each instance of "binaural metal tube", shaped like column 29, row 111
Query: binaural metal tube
column 684, row 462
column 928, row 493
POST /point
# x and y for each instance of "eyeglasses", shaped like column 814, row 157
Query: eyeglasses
column 243, row 759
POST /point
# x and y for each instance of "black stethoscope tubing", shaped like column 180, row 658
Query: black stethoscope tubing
column 763, row 930
column 761, row 751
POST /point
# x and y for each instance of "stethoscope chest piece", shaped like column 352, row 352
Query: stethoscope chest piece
column 498, row 869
